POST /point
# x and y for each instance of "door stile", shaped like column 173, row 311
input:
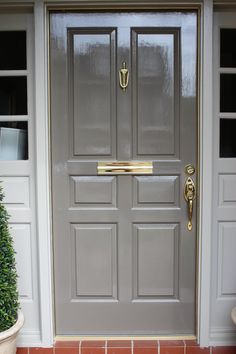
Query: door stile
column 124, row 97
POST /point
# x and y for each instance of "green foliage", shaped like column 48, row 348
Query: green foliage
column 9, row 299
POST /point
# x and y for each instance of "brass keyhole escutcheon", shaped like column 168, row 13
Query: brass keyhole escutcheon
column 189, row 170
column 124, row 76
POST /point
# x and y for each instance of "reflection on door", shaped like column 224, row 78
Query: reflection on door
column 123, row 91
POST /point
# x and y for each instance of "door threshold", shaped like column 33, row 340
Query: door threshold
column 121, row 337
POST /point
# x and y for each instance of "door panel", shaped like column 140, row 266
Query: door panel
column 124, row 258
column 156, row 261
column 93, row 191
column 92, row 75
column 156, row 54
column 156, row 191
column 96, row 275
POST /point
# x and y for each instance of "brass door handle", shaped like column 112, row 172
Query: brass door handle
column 124, row 76
column 189, row 196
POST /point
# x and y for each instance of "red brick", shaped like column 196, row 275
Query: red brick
column 119, row 344
column 224, row 350
column 22, row 351
column 197, row 350
column 40, row 350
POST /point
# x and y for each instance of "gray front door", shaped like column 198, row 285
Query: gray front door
column 123, row 254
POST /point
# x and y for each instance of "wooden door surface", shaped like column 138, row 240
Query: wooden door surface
column 124, row 256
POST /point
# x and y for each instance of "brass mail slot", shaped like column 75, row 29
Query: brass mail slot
column 125, row 168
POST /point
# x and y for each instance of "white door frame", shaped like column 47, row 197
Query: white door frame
column 43, row 185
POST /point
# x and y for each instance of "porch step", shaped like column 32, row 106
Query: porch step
column 128, row 347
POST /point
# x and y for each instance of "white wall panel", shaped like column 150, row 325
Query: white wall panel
column 16, row 191
column 223, row 285
column 227, row 259
column 227, row 190
column 22, row 241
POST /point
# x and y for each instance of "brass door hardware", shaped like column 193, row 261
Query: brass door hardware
column 127, row 167
column 189, row 196
column 124, row 76
column 189, row 170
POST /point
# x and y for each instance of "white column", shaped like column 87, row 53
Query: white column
column 206, row 165
column 42, row 176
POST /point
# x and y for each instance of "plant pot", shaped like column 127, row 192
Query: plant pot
column 8, row 337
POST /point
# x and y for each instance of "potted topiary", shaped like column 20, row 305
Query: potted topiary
column 11, row 319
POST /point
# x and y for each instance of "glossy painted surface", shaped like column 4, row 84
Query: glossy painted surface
column 92, row 54
column 154, row 88
column 124, row 259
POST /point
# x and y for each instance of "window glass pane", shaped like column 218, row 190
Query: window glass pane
column 228, row 47
column 13, row 141
column 227, row 137
column 13, row 50
column 228, row 92
column 13, row 95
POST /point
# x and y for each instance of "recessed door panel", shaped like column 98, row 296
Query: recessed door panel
column 123, row 94
column 92, row 76
column 156, row 55
column 93, row 191
column 156, row 191
column 156, row 261
column 94, row 260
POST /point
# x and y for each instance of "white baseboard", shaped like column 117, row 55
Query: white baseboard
column 29, row 339
column 223, row 337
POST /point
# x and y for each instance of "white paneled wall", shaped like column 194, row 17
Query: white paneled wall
column 18, row 182
column 223, row 296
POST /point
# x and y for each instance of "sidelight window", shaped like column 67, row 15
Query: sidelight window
column 227, row 92
column 13, row 96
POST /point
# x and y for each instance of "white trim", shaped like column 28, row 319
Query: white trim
column 206, row 152
column 222, row 328
column 42, row 177
column 29, row 338
column 222, row 337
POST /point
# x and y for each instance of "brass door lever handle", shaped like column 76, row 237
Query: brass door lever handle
column 189, row 196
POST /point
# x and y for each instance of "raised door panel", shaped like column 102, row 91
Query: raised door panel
column 156, row 91
column 156, row 191
column 93, row 191
column 91, row 96
column 94, row 261
column 156, row 261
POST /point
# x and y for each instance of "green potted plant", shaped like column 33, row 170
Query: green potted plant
column 11, row 319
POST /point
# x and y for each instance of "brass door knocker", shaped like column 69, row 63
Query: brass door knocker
column 124, row 76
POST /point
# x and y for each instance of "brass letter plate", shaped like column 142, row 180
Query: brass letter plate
column 125, row 168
